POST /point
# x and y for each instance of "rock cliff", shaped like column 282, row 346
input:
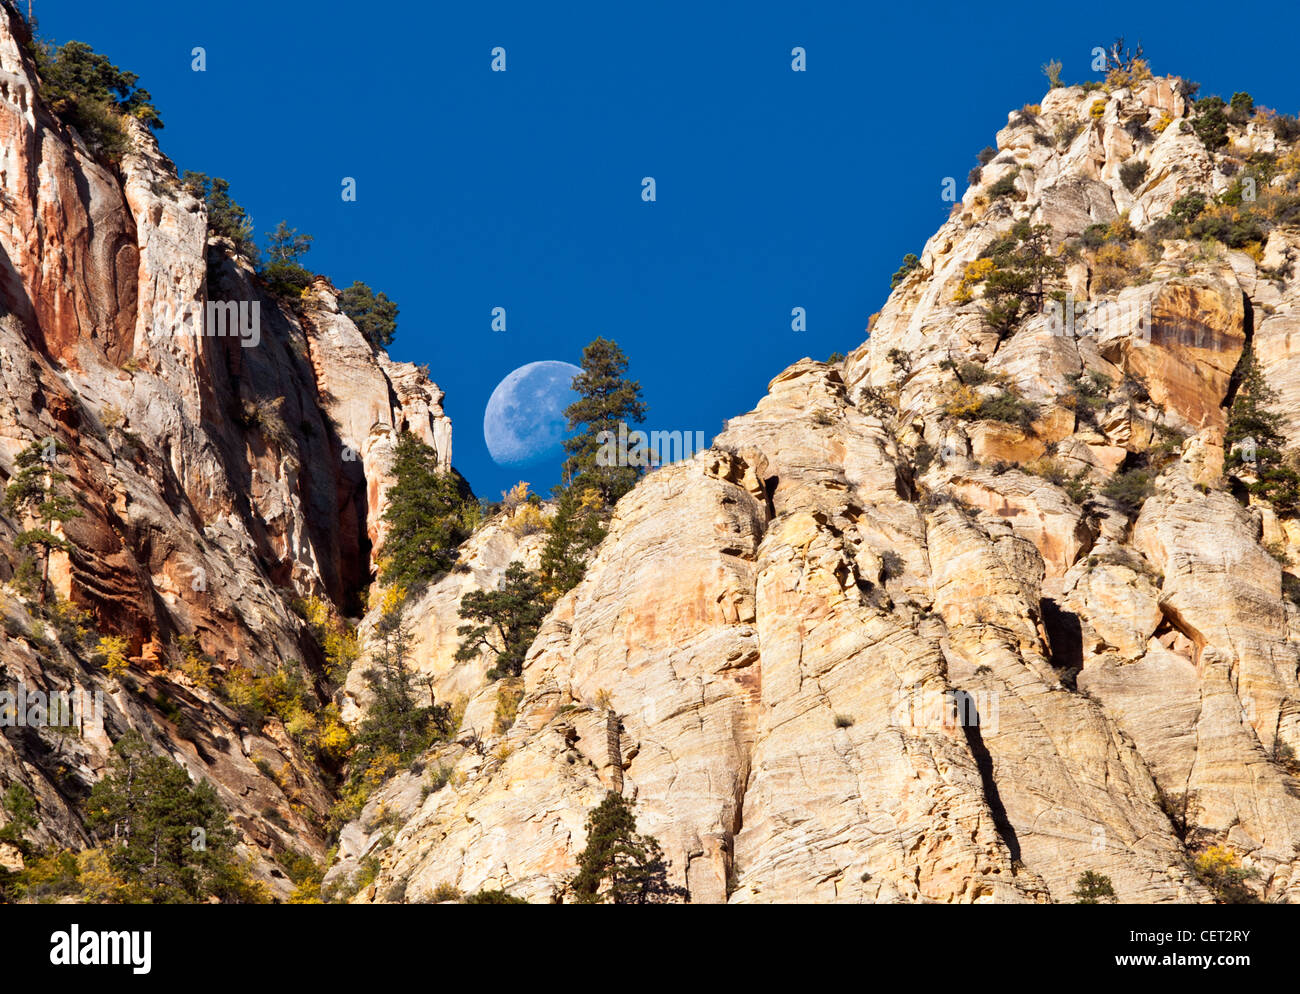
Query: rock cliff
column 218, row 478
column 957, row 618
column 884, row 643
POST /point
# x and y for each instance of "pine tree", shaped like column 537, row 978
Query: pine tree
column 286, row 246
column 225, row 217
column 395, row 722
column 167, row 839
column 373, row 313
column 1023, row 267
column 508, row 619
column 34, row 493
column 577, row 527
column 1094, row 888
column 1253, row 440
column 618, row 866
column 428, row 516
column 606, row 400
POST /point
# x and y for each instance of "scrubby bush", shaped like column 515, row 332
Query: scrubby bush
column 968, row 404
column 1006, row 186
column 1240, row 108
column 1075, row 485
column 1129, row 488
column 1094, row 888
column 1187, row 208
column 1132, row 173
column 1067, row 131
column 1089, row 393
column 1221, row 871
column 910, row 262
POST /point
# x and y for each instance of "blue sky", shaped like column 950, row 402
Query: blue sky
column 522, row 189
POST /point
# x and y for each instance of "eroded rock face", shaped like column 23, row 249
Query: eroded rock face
column 871, row 648
column 867, row 647
column 218, row 478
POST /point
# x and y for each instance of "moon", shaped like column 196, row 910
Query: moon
column 524, row 420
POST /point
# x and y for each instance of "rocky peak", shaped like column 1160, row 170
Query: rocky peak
column 960, row 619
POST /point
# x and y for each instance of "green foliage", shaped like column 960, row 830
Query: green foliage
column 910, row 262
column 506, row 621
column 1210, row 122
column 606, row 399
column 577, row 527
column 1089, row 393
column 1067, row 131
column 374, row 314
column 1132, row 173
column 493, row 897
column 429, row 515
column 1075, row 485
column 1009, row 408
column 318, row 728
column 618, row 866
column 1129, row 488
column 284, row 271
column 285, row 245
column 1268, row 476
column 20, row 807
column 1052, row 70
column 1187, row 208
column 166, row 839
column 92, row 95
column 1023, row 268
column 1240, row 108
column 972, row 374
column 34, row 494
column 395, row 722
column 225, row 217
column 1094, row 888
column 1006, row 186
column 1234, row 231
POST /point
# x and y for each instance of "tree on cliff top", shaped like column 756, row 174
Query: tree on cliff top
column 225, row 217
column 94, row 96
column 606, row 399
column 373, row 313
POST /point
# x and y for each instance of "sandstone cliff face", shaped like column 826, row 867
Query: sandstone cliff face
column 828, row 669
column 860, row 650
column 218, row 479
